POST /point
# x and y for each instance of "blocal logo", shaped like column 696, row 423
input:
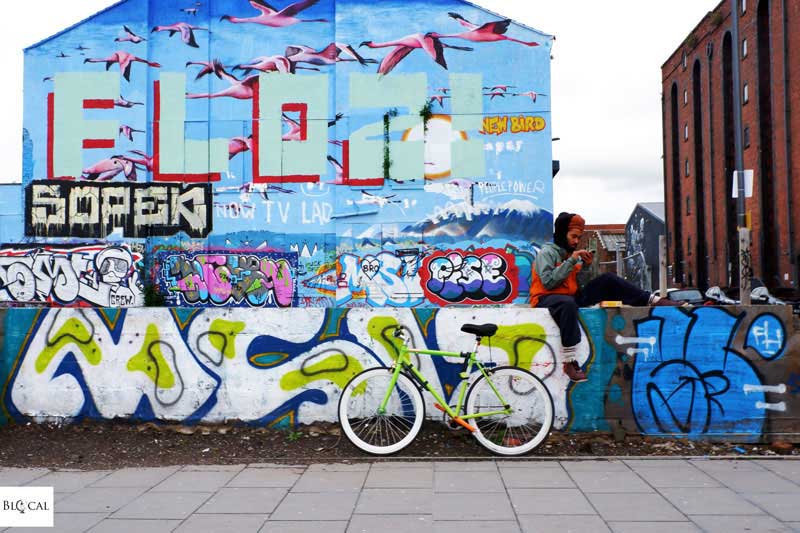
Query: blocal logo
column 26, row 506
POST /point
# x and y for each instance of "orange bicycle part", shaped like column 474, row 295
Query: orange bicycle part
column 456, row 419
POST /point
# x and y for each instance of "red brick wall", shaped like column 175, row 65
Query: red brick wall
column 712, row 29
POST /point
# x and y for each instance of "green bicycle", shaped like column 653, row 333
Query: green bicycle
column 507, row 409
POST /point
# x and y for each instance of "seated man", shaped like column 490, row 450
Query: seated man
column 554, row 285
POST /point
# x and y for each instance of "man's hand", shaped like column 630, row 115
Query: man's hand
column 583, row 255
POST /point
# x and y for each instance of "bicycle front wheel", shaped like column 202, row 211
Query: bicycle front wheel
column 531, row 416
column 375, row 432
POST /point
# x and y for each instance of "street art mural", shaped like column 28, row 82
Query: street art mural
column 705, row 373
column 359, row 131
column 71, row 276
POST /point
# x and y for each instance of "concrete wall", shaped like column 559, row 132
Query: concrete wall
column 708, row 372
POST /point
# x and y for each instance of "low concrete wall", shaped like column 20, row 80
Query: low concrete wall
column 708, row 372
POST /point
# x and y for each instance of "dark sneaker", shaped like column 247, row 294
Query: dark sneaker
column 573, row 371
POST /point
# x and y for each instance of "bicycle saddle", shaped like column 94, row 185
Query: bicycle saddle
column 482, row 330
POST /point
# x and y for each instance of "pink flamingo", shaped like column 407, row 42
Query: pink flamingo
column 405, row 45
column 329, row 55
column 438, row 98
column 186, row 30
column 443, row 90
column 494, row 94
column 239, row 89
column 143, row 160
column 294, row 129
column 125, row 61
column 127, row 131
column 503, row 88
column 208, row 68
column 121, row 102
column 530, row 94
column 488, row 33
column 238, row 145
column 129, row 37
column 271, row 64
column 339, row 180
column 273, row 17
column 108, row 168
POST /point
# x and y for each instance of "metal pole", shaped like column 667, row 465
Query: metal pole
column 744, row 275
column 662, row 265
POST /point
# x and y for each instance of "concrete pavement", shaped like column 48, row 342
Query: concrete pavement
column 670, row 495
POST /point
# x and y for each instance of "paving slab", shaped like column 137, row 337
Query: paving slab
column 285, row 526
column 136, row 477
column 481, row 481
column 636, row 464
column 759, row 481
column 98, row 500
column 679, row 476
column 550, row 502
column 195, row 481
column 465, row 466
column 789, row 469
column 243, row 500
column 395, row 501
column 266, row 477
column 15, row 477
column 394, row 524
column 635, row 507
column 559, row 524
column 335, row 481
column 726, row 465
column 394, row 465
column 519, row 477
column 595, row 466
column 338, row 467
column 421, row 478
column 719, row 501
column 66, row 523
column 455, row 526
column 68, row 480
column 166, row 505
column 591, row 481
column 471, row 506
column 111, row 525
column 213, row 468
column 314, row 506
column 653, row 527
column 784, row 507
column 222, row 523
column 737, row 524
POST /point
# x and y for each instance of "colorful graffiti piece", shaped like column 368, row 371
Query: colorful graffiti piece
column 94, row 210
column 70, row 276
column 512, row 124
column 476, row 277
column 252, row 279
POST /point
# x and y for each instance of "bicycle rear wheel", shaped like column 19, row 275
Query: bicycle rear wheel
column 531, row 417
column 380, row 433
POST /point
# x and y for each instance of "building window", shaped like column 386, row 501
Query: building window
column 686, row 168
column 685, row 97
column 688, row 208
column 744, row 7
column 747, row 136
column 745, row 94
column 689, row 244
column 685, row 132
column 684, row 60
column 744, row 48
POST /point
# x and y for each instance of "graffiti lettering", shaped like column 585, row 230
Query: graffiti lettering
column 100, row 275
column 257, row 279
column 480, row 276
column 95, row 210
column 516, row 124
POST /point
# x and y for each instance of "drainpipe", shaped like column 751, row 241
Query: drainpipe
column 787, row 114
column 744, row 281
column 710, row 55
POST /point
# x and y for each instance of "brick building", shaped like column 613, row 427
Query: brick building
column 699, row 148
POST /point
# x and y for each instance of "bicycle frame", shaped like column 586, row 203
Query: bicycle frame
column 403, row 362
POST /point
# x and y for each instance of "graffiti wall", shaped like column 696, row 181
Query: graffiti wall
column 355, row 140
column 71, row 276
column 709, row 372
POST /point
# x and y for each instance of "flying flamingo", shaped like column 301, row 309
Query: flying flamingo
column 144, row 160
column 271, row 64
column 443, row 90
column 339, row 180
column 81, row 48
column 405, row 45
column 494, row 94
column 237, row 145
column 121, row 102
column 239, row 89
column 186, row 30
column 62, row 55
column 488, row 33
column 108, row 168
column 190, row 11
column 273, row 17
column 530, row 94
column 295, row 129
column 127, row 131
column 438, row 98
column 503, row 88
column 125, row 61
column 329, row 55
column 130, row 37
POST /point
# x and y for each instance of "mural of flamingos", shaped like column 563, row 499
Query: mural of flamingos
column 488, row 33
column 529, row 94
column 127, row 132
column 238, row 145
column 273, row 17
column 108, row 168
column 271, row 64
column 405, row 45
column 125, row 61
column 186, row 30
column 145, row 161
column 329, row 55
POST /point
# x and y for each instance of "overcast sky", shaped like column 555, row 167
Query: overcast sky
column 606, row 94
